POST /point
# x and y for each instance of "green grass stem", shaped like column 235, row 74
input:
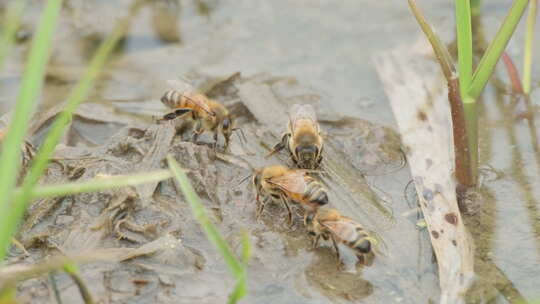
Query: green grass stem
column 475, row 7
column 237, row 268
column 31, row 85
column 58, row 127
column 95, row 184
column 12, row 20
column 440, row 50
column 240, row 290
column 464, row 43
column 496, row 48
column 471, row 127
column 73, row 271
column 528, row 49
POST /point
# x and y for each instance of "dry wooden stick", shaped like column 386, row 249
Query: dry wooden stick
column 418, row 96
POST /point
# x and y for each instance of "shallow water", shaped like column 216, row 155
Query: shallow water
column 326, row 49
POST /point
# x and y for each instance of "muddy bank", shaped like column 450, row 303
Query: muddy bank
column 363, row 168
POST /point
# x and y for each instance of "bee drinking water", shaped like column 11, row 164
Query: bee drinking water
column 208, row 114
column 281, row 183
column 303, row 138
column 330, row 224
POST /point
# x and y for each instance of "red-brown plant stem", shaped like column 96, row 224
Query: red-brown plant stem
column 513, row 74
column 463, row 168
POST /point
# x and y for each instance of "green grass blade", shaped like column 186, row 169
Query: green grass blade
column 246, row 248
column 475, row 7
column 471, row 123
column 76, row 96
column 464, row 43
column 58, row 127
column 529, row 37
column 440, row 50
column 71, row 268
column 11, row 24
column 237, row 268
column 239, row 291
column 30, row 88
column 493, row 53
column 96, row 184
column 73, row 271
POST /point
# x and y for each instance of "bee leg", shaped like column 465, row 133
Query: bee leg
column 280, row 145
column 215, row 140
column 227, row 140
column 284, row 200
column 337, row 251
column 361, row 259
column 260, row 209
column 316, row 241
column 197, row 131
column 176, row 113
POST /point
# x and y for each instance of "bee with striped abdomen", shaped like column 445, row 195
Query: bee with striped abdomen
column 329, row 224
column 208, row 114
column 281, row 183
column 303, row 138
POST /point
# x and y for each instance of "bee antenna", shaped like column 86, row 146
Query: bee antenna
column 244, row 179
column 242, row 133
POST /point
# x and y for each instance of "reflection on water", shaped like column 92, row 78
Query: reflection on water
column 328, row 48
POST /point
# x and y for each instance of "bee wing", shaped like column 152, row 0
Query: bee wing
column 190, row 93
column 304, row 113
column 346, row 230
column 293, row 182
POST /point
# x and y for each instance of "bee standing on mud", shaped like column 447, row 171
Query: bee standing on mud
column 208, row 115
column 281, row 183
column 328, row 223
column 303, row 138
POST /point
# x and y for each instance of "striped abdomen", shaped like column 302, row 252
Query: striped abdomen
column 315, row 194
column 358, row 241
column 172, row 99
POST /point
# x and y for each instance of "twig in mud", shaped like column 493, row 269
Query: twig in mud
column 73, row 272
column 12, row 274
column 54, row 287
column 20, row 246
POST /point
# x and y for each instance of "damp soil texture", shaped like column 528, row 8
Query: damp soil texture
column 258, row 59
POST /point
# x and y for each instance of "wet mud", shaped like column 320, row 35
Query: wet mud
column 114, row 132
column 359, row 157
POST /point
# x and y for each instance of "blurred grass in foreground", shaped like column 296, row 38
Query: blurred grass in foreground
column 58, row 127
column 32, row 82
column 13, row 201
column 237, row 268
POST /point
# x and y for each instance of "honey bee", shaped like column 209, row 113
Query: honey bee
column 281, row 183
column 328, row 223
column 208, row 114
column 303, row 138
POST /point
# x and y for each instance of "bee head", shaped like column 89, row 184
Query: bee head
column 227, row 124
column 306, row 156
column 256, row 179
column 226, row 128
column 308, row 222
